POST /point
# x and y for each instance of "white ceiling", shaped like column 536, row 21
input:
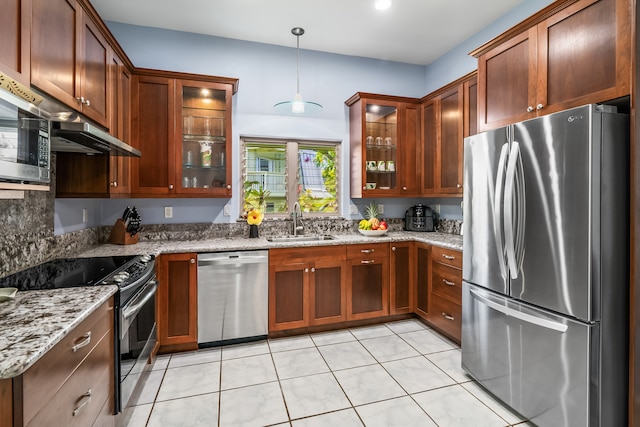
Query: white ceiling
column 412, row 31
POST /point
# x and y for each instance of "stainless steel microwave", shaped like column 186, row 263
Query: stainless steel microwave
column 24, row 141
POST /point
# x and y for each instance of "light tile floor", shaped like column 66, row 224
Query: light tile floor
column 396, row 374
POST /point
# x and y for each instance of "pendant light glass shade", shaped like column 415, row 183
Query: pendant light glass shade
column 298, row 106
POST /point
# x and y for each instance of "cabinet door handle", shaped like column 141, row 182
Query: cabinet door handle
column 228, row 186
column 86, row 339
column 367, row 251
column 539, row 107
column 364, row 188
column 306, row 270
column 404, row 188
column 447, row 316
column 393, row 248
column 84, row 101
column 529, row 109
column 313, row 270
column 192, row 261
column 458, row 185
column 86, row 398
column 448, row 283
column 449, row 257
column 114, row 184
column 367, row 261
column 170, row 186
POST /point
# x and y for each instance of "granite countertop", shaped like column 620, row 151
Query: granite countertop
column 35, row 321
column 157, row 247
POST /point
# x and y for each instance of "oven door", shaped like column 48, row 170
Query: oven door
column 137, row 339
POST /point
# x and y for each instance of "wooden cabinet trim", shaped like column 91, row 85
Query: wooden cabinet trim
column 524, row 25
column 187, row 76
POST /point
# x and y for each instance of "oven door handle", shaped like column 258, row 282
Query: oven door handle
column 132, row 309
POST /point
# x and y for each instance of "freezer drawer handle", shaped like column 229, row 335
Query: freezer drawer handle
column 556, row 326
column 448, row 283
column 447, row 316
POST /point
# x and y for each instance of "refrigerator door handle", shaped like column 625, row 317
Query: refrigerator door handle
column 522, row 211
column 509, row 193
column 525, row 317
column 497, row 209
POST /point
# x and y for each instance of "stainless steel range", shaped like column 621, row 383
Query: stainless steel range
column 135, row 324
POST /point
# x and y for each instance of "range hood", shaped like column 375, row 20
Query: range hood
column 83, row 137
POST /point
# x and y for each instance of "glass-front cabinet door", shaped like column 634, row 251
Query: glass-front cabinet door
column 383, row 141
column 381, row 138
column 204, row 127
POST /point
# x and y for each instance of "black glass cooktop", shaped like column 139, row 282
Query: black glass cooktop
column 65, row 273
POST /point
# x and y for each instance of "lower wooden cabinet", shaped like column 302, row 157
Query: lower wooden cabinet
column 402, row 277
column 307, row 287
column 423, row 255
column 73, row 383
column 445, row 292
column 368, row 282
column 177, row 302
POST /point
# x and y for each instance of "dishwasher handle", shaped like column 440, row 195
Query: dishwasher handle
column 234, row 258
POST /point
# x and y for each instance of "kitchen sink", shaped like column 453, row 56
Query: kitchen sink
column 301, row 238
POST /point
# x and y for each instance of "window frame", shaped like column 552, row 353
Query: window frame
column 292, row 146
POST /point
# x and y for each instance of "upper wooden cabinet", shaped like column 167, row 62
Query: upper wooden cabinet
column 384, row 134
column 69, row 57
column 569, row 54
column 79, row 175
column 182, row 125
column 448, row 115
column 15, row 36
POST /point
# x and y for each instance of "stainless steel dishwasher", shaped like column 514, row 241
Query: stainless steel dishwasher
column 232, row 297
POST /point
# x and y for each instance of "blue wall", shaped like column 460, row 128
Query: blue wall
column 267, row 75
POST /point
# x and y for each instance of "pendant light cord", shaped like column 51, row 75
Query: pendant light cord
column 298, row 63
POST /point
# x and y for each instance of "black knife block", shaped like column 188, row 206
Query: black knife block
column 119, row 235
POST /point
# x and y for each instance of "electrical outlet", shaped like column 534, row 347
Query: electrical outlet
column 85, row 215
column 353, row 209
column 227, row 210
column 380, row 208
column 168, row 212
column 436, row 208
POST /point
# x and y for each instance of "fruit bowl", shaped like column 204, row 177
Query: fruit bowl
column 372, row 233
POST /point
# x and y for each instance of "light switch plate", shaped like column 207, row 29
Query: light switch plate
column 168, row 211
column 353, row 209
column 380, row 208
column 85, row 215
column 227, row 210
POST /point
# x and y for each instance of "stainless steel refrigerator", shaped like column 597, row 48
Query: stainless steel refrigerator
column 546, row 266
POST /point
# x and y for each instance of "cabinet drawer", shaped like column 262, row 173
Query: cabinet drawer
column 42, row 380
column 446, row 256
column 447, row 281
column 95, row 376
column 368, row 251
column 446, row 316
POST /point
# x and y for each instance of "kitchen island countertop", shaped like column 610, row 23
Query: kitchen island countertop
column 35, row 321
column 158, row 247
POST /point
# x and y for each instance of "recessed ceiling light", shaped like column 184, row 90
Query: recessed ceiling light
column 383, row 4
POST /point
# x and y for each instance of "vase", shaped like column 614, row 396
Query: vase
column 253, row 231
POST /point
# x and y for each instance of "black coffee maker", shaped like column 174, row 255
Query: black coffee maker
column 419, row 218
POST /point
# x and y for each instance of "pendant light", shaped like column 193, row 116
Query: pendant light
column 297, row 106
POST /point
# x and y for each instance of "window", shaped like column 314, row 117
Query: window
column 278, row 173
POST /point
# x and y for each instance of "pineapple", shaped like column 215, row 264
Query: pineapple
column 371, row 214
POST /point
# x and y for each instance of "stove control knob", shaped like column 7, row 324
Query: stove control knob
column 145, row 258
column 118, row 278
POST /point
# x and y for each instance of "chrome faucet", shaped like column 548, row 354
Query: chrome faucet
column 296, row 215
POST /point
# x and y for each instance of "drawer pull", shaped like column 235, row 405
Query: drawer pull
column 367, row 261
column 313, row 270
column 447, row 316
column 448, row 283
column 449, row 257
column 367, row 251
column 86, row 339
column 86, row 398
